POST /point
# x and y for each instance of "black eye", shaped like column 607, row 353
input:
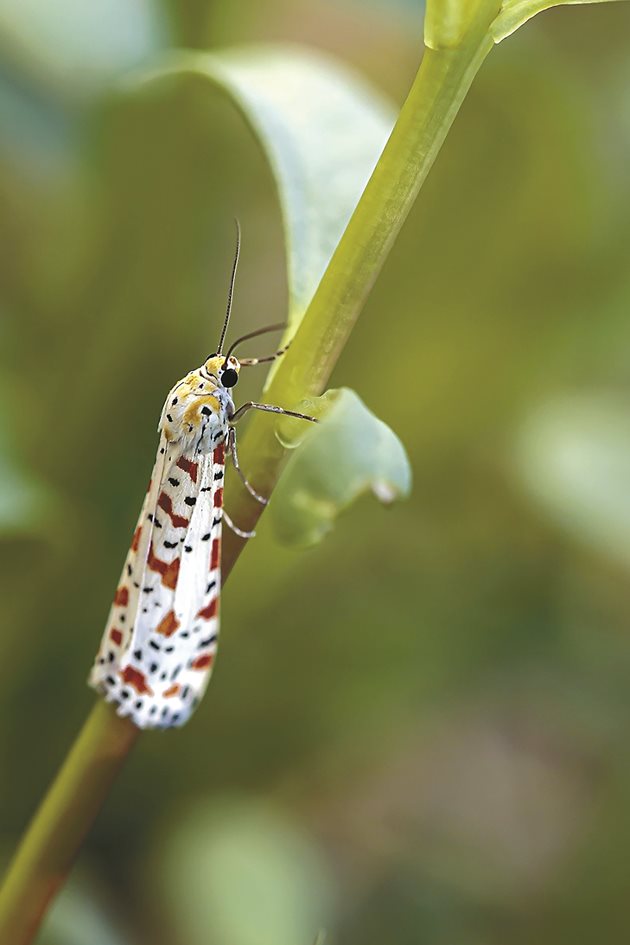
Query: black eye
column 229, row 377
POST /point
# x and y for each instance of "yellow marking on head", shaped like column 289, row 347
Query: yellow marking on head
column 215, row 364
column 191, row 413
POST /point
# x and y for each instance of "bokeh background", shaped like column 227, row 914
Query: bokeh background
column 417, row 732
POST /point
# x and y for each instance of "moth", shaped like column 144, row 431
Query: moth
column 159, row 645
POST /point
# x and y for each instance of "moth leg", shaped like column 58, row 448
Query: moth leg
column 237, row 531
column 270, row 408
column 248, row 362
column 234, row 455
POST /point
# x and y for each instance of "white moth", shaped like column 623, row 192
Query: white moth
column 160, row 640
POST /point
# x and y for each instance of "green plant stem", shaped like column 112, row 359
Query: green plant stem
column 441, row 84
column 66, row 814
column 54, row 836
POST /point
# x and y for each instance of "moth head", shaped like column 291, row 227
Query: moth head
column 226, row 370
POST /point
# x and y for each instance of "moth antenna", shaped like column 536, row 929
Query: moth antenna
column 228, row 311
column 255, row 334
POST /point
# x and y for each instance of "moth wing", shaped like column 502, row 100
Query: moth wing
column 164, row 668
column 119, row 627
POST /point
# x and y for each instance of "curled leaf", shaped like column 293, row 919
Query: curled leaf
column 350, row 452
column 322, row 129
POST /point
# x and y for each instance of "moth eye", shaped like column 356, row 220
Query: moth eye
column 229, row 377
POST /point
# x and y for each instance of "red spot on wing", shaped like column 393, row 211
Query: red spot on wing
column 210, row 610
column 166, row 503
column 171, row 691
column 218, row 498
column 215, row 553
column 121, row 598
column 188, row 466
column 218, row 456
column 149, row 486
column 136, row 679
column 168, row 625
column 115, row 636
column 202, row 662
column 135, row 541
column 169, row 571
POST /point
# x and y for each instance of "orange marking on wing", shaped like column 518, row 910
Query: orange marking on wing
column 154, row 563
column 215, row 553
column 168, row 625
column 171, row 691
column 188, row 466
column 149, row 486
column 218, row 456
column 116, row 636
column 202, row 661
column 169, row 578
column 135, row 541
column 136, row 679
column 121, row 597
column 165, row 502
column 169, row 571
column 210, row 610
column 218, row 498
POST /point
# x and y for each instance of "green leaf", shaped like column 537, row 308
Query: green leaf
column 349, row 453
column 574, row 460
column 26, row 504
column 516, row 12
column 322, row 129
column 79, row 916
column 78, row 47
column 241, row 873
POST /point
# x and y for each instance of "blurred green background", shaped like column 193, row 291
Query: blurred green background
column 417, row 732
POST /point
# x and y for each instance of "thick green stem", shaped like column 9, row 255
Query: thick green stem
column 433, row 102
column 55, row 834
column 66, row 814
